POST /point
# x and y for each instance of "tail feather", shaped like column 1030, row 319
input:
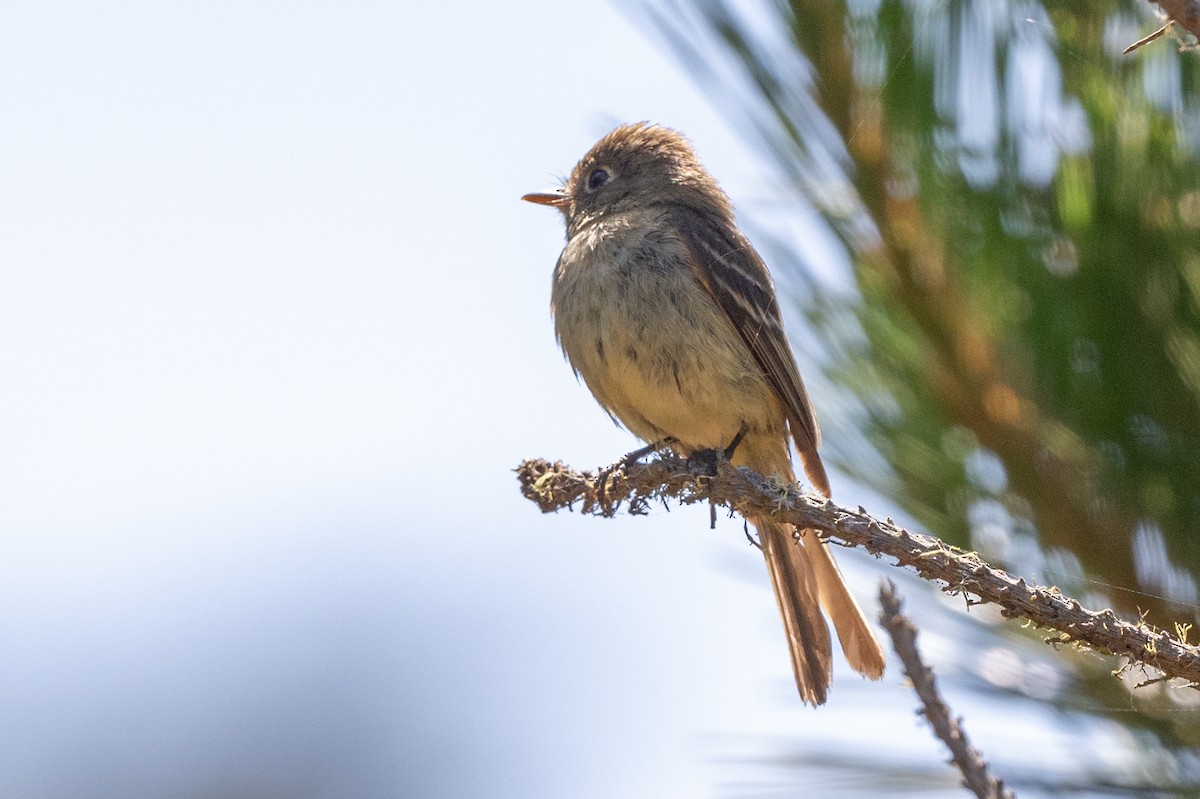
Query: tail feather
column 796, row 590
column 858, row 641
column 806, row 578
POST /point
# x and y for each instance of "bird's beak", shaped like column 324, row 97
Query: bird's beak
column 555, row 198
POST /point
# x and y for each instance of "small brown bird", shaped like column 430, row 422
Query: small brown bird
column 664, row 308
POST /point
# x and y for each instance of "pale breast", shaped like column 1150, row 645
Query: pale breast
column 653, row 347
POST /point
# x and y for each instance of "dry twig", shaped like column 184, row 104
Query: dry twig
column 968, row 760
column 1145, row 40
column 554, row 486
column 1184, row 13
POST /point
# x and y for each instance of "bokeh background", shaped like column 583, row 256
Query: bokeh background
column 274, row 332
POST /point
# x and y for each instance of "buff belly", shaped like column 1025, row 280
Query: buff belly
column 657, row 352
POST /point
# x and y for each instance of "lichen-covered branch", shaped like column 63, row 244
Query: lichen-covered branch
column 904, row 640
column 638, row 486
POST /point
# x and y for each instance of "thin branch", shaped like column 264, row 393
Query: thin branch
column 1145, row 40
column 904, row 639
column 1184, row 13
column 554, row 486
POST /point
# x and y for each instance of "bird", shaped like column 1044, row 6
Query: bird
column 670, row 317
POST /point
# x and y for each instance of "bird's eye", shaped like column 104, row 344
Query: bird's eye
column 598, row 178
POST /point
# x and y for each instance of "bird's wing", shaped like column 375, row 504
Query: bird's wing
column 726, row 264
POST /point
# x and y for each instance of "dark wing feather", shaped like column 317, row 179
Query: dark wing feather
column 727, row 265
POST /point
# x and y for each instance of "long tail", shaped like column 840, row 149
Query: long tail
column 797, row 589
column 806, row 579
column 858, row 640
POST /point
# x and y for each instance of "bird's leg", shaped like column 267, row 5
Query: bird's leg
column 638, row 454
column 733, row 445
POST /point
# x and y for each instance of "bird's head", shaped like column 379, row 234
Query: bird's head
column 635, row 167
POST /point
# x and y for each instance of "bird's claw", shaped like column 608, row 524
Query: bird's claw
column 605, row 474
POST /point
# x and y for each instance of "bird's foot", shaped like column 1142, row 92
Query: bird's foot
column 706, row 460
column 605, row 474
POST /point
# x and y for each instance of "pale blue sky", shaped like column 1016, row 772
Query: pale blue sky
column 274, row 331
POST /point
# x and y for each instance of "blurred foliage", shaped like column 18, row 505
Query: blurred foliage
column 1021, row 206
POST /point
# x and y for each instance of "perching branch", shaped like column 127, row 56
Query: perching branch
column 904, row 640
column 554, row 486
